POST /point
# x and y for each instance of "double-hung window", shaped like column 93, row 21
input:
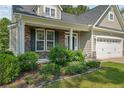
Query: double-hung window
column 45, row 39
column 47, row 11
column 40, row 39
column 50, row 12
column 50, row 39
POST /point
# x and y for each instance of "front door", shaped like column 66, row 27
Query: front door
column 74, row 41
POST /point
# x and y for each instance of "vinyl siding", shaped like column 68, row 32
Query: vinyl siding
column 110, row 24
column 85, row 43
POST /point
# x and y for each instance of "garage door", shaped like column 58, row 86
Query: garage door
column 108, row 48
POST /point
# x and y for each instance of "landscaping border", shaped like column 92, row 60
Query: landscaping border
column 68, row 77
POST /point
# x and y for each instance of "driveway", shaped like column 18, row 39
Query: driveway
column 120, row 60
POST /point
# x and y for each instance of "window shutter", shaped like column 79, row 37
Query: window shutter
column 32, row 39
column 56, row 37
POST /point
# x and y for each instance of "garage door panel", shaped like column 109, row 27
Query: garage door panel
column 108, row 48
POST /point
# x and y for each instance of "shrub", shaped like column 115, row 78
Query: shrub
column 50, row 68
column 75, row 56
column 28, row 61
column 47, row 76
column 71, row 55
column 58, row 55
column 74, row 68
column 7, row 52
column 79, row 56
column 48, row 71
column 93, row 64
column 9, row 68
column 29, row 80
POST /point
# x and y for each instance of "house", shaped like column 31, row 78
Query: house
column 98, row 32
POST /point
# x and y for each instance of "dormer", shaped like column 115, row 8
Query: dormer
column 50, row 11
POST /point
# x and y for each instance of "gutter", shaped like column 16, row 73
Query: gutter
column 107, row 30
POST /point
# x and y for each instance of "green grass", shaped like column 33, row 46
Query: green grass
column 110, row 76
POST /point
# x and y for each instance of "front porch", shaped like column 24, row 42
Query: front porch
column 41, row 34
column 42, row 40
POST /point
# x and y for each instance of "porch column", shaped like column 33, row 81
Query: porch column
column 21, row 37
column 71, row 36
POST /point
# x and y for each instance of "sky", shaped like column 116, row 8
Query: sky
column 5, row 10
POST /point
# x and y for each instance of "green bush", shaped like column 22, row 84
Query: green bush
column 79, row 56
column 71, row 55
column 75, row 56
column 58, row 55
column 28, row 61
column 9, row 68
column 51, row 68
column 47, row 76
column 74, row 68
column 93, row 64
column 48, row 71
column 29, row 80
column 7, row 52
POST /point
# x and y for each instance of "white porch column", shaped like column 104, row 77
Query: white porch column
column 21, row 37
column 71, row 36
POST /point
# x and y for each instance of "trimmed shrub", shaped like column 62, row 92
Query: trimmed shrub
column 79, row 56
column 75, row 56
column 74, row 68
column 58, row 55
column 71, row 55
column 48, row 71
column 9, row 68
column 28, row 61
column 7, row 52
column 93, row 64
column 51, row 68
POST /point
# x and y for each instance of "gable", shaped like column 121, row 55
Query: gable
column 107, row 23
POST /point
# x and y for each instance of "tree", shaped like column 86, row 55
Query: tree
column 122, row 10
column 75, row 10
column 4, row 33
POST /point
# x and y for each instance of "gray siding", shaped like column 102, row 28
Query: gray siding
column 85, row 42
column 110, row 24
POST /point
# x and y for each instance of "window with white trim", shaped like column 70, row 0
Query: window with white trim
column 111, row 16
column 50, row 12
column 50, row 39
column 40, row 39
column 45, row 39
column 47, row 11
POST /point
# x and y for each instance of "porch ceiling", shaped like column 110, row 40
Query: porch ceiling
column 53, row 23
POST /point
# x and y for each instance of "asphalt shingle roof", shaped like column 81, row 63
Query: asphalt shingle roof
column 88, row 18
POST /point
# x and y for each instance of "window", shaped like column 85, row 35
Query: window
column 53, row 12
column 45, row 40
column 50, row 11
column 50, row 39
column 47, row 11
column 111, row 16
column 40, row 40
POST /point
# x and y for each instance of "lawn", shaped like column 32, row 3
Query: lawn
column 110, row 76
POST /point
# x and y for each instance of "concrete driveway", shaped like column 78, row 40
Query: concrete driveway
column 120, row 60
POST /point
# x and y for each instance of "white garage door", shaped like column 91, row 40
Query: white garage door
column 108, row 48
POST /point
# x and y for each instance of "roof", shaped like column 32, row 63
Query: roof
column 88, row 18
